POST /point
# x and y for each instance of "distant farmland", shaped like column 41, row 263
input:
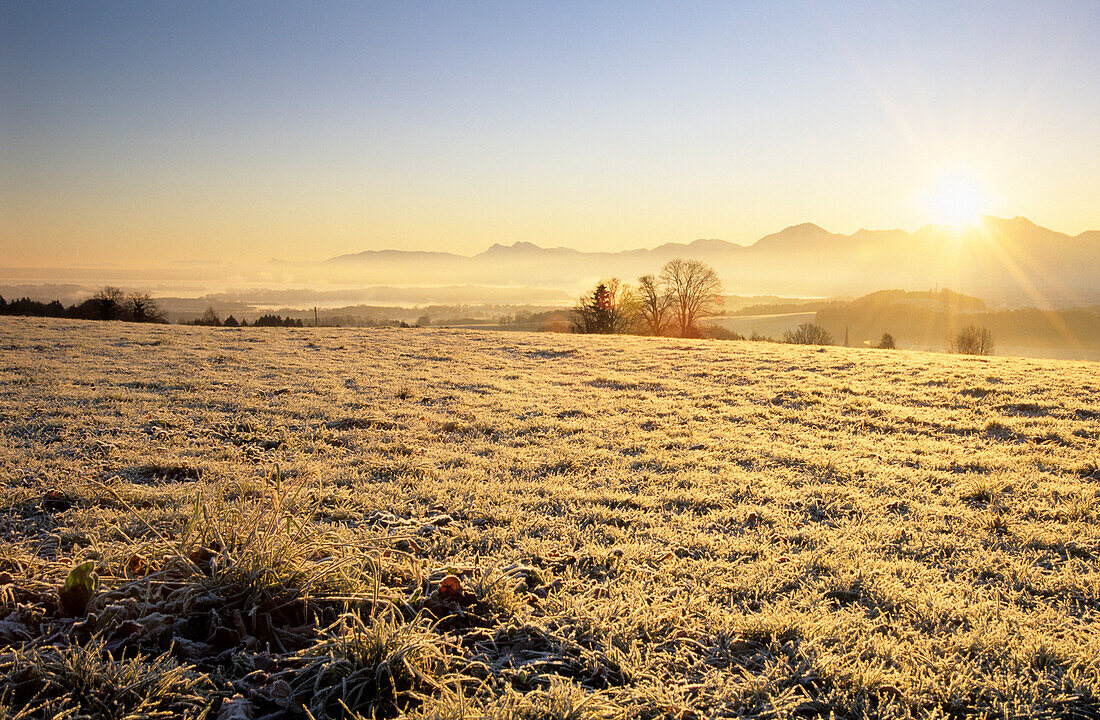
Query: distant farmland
column 435, row 523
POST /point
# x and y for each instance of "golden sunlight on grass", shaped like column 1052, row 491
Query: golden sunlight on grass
column 429, row 523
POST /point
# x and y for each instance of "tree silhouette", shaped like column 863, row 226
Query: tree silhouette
column 209, row 317
column 972, row 340
column 808, row 334
column 653, row 304
column 693, row 288
column 108, row 303
column 139, row 307
column 611, row 307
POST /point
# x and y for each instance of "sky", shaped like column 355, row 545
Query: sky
column 151, row 133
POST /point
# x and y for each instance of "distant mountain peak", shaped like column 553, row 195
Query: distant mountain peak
column 374, row 255
column 803, row 227
column 522, row 248
column 519, row 245
column 795, row 235
column 711, row 244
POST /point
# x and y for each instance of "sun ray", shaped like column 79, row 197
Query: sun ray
column 1018, row 265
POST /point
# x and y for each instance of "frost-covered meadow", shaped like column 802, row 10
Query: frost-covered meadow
column 458, row 524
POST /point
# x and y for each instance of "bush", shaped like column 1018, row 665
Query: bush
column 808, row 334
column 972, row 340
column 717, row 332
column 887, row 342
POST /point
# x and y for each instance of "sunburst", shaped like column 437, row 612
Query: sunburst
column 957, row 199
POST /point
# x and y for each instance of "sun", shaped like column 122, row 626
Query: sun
column 957, row 199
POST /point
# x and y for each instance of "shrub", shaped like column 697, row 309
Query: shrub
column 717, row 332
column 808, row 334
column 972, row 340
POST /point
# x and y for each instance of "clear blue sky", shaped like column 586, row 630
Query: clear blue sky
column 160, row 131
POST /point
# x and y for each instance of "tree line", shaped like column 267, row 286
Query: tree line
column 672, row 303
column 210, row 318
column 688, row 291
column 110, row 303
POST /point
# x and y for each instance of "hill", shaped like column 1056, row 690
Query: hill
column 927, row 319
column 455, row 524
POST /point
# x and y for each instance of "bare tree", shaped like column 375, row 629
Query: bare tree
column 142, row 308
column 653, row 304
column 210, row 318
column 611, row 307
column 972, row 340
column 624, row 306
column 808, row 334
column 693, row 289
column 109, row 302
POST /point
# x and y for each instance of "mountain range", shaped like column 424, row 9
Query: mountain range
column 1009, row 261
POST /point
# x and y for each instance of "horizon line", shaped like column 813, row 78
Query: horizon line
column 181, row 263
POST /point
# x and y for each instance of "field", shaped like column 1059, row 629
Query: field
column 461, row 524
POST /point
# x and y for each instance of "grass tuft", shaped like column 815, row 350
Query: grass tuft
column 373, row 667
column 85, row 681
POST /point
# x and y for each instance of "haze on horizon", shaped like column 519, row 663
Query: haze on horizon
column 147, row 133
